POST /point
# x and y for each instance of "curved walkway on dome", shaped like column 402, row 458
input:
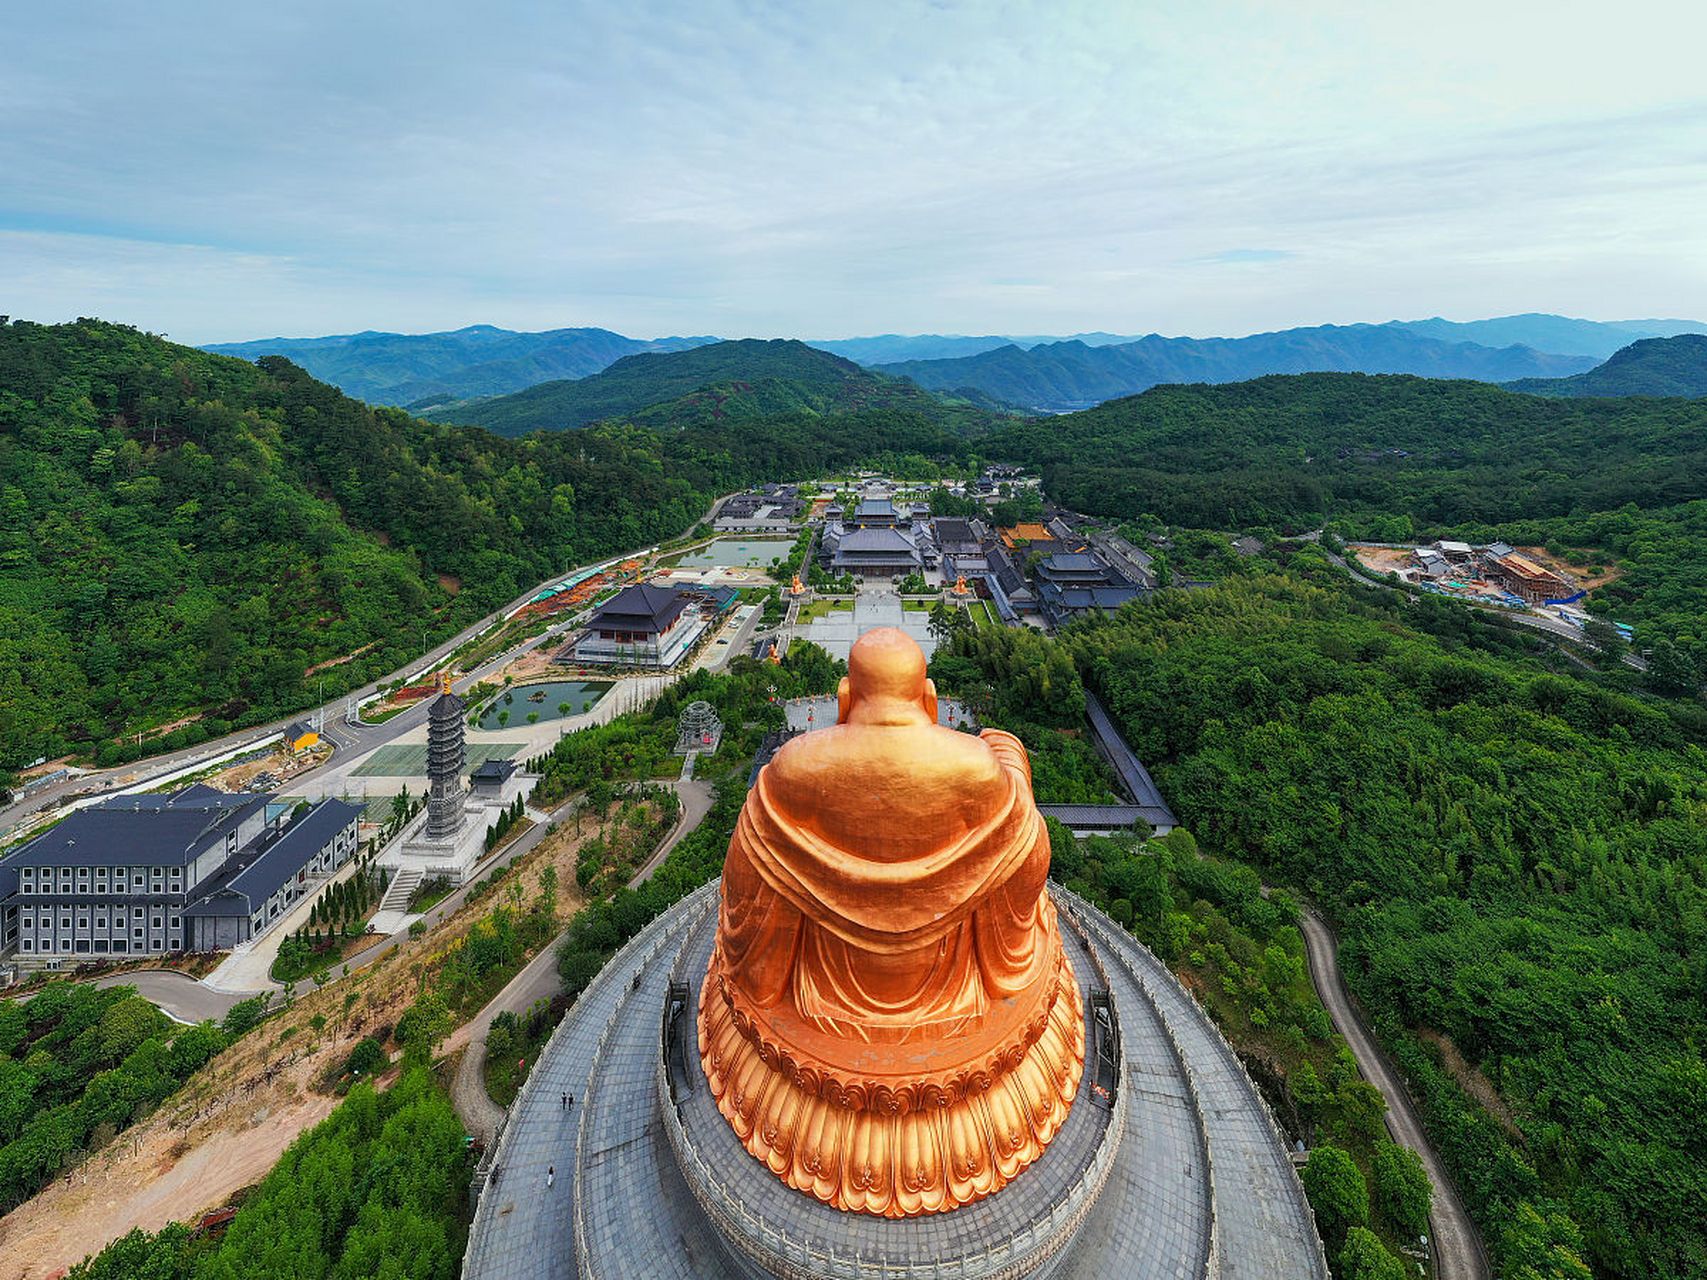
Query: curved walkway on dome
column 1201, row 1185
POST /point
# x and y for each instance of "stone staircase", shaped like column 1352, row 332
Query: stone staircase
column 402, row 888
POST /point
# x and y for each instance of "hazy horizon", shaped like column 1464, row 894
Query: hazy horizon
column 212, row 171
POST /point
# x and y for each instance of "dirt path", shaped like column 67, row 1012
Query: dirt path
column 540, row 980
column 156, row 1175
column 1458, row 1252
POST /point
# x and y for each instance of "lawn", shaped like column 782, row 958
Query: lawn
column 407, row 760
column 816, row 609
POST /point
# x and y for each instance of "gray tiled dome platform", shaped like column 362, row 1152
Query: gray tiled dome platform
column 1196, row 1181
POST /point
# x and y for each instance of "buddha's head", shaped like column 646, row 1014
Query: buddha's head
column 886, row 683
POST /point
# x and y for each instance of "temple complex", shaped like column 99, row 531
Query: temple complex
column 882, row 1044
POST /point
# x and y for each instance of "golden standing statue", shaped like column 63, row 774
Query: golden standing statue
column 889, row 1020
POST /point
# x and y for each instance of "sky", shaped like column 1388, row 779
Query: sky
column 228, row 171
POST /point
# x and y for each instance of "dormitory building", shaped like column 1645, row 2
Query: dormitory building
column 197, row 870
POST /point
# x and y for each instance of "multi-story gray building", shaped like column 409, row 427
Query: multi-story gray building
column 150, row 874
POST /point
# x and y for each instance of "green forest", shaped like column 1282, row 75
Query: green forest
column 80, row 1064
column 1392, row 458
column 374, row 1192
column 735, row 381
column 1517, row 864
column 186, row 535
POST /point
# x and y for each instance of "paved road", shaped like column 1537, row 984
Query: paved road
column 349, row 737
column 177, row 995
column 1458, row 1248
column 540, row 980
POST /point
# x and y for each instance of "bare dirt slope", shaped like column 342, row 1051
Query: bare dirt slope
column 233, row 1119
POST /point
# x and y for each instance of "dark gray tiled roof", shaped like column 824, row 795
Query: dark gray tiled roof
column 876, row 540
column 641, row 608
column 1139, row 784
column 1072, row 562
column 1108, row 815
column 258, row 872
column 148, row 830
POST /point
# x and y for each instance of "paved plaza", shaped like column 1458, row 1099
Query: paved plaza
column 1200, row 1185
column 836, row 631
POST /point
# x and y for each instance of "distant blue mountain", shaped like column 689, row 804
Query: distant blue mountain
column 1061, row 376
column 889, row 348
column 421, row 369
column 443, row 370
column 1559, row 334
column 1675, row 366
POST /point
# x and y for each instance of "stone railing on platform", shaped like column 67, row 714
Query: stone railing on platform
column 1231, row 1058
column 694, row 906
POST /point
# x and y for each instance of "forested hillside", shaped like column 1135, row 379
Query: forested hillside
column 1072, row 375
column 185, row 534
column 1655, row 367
column 1389, row 457
column 1517, row 863
column 480, row 360
column 724, row 382
column 376, row 1190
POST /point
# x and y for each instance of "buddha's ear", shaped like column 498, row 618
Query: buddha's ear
column 930, row 699
column 844, row 700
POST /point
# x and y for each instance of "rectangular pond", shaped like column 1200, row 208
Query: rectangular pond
column 548, row 700
column 738, row 553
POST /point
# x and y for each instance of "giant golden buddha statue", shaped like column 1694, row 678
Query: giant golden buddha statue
column 889, row 1020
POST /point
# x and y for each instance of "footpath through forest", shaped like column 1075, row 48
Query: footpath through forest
column 1458, row 1251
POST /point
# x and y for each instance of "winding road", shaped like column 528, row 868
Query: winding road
column 1458, row 1252
column 540, row 979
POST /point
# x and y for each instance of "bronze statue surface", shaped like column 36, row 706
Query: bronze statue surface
column 889, row 1020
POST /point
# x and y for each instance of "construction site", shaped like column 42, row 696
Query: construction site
column 1497, row 575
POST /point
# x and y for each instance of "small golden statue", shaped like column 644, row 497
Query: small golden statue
column 797, row 589
column 960, row 588
column 889, row 1020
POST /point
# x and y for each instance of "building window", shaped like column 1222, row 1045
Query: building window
column 174, row 922
column 100, row 946
column 28, row 945
column 82, row 922
column 119, row 944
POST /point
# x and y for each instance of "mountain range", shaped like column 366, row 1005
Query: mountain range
column 1652, row 367
column 735, row 381
column 439, row 372
column 1063, row 376
column 428, row 368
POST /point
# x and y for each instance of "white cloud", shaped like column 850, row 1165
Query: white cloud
column 224, row 171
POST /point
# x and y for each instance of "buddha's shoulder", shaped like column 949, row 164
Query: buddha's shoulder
column 848, row 748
